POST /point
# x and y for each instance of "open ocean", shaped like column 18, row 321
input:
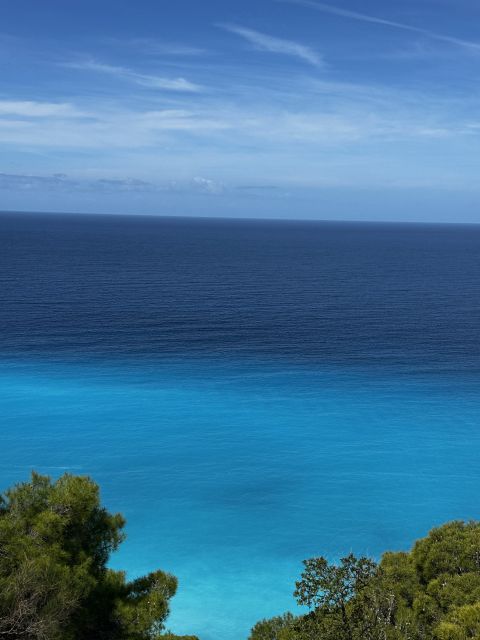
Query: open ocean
column 247, row 393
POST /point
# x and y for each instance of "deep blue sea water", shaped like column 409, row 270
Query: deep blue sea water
column 248, row 393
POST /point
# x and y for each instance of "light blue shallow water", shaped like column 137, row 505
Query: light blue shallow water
column 230, row 475
column 248, row 394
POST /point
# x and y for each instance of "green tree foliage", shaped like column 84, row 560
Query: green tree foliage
column 170, row 636
column 278, row 628
column 430, row 593
column 462, row 623
column 55, row 541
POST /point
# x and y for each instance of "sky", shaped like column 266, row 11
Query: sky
column 351, row 109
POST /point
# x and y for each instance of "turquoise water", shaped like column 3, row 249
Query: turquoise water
column 230, row 476
column 248, row 394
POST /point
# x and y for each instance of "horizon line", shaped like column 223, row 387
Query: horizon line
column 242, row 218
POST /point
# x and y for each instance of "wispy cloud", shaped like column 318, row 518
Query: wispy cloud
column 207, row 185
column 265, row 42
column 154, row 47
column 142, row 79
column 332, row 114
column 109, row 127
column 363, row 17
column 61, row 182
column 34, row 109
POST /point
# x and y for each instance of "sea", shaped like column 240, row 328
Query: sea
column 247, row 393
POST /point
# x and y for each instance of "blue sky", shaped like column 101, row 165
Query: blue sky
column 340, row 110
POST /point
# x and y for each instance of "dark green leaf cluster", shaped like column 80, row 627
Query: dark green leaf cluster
column 430, row 593
column 55, row 541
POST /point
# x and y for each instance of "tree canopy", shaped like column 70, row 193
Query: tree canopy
column 429, row 593
column 55, row 542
